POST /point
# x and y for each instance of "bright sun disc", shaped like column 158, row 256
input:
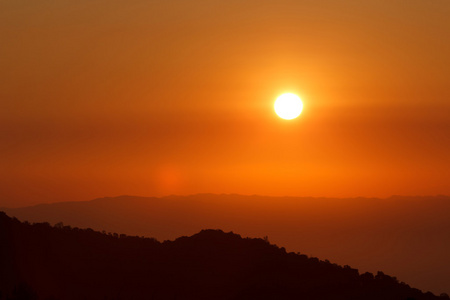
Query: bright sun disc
column 288, row 106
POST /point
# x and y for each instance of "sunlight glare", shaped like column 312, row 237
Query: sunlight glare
column 288, row 106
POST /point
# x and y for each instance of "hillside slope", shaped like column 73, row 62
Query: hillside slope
column 71, row 263
column 408, row 237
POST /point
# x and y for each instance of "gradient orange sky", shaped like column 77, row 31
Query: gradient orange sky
column 104, row 98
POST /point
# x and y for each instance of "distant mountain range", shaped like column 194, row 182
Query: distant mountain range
column 43, row 262
column 408, row 237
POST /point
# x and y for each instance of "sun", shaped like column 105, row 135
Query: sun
column 288, row 106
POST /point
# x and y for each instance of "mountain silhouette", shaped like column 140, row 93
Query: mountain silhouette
column 39, row 261
column 408, row 237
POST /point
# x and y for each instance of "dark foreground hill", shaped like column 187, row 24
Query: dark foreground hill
column 408, row 237
column 43, row 262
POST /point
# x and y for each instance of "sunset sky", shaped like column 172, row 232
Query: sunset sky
column 105, row 98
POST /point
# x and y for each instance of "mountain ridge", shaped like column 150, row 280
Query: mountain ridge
column 175, row 196
column 368, row 233
column 72, row 263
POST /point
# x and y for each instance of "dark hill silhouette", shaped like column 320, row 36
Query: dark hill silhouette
column 43, row 262
column 408, row 237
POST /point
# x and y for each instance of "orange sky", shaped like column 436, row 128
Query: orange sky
column 175, row 97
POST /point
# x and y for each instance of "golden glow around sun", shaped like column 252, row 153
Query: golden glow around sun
column 288, row 106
